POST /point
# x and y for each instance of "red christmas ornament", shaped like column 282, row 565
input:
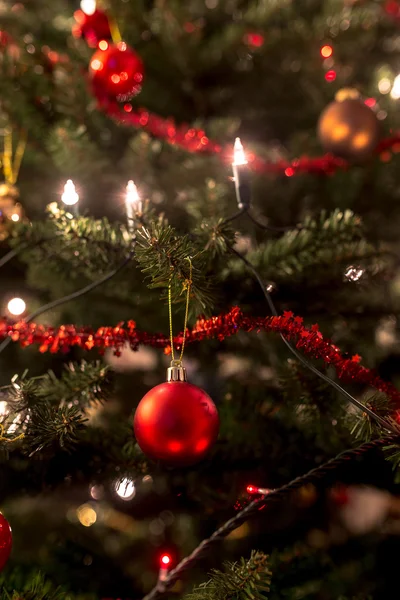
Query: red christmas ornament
column 176, row 422
column 116, row 72
column 92, row 28
column 5, row 541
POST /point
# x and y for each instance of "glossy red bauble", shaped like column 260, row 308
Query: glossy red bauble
column 116, row 71
column 92, row 28
column 5, row 541
column 177, row 423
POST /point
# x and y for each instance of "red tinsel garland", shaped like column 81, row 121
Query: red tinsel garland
column 309, row 340
column 196, row 140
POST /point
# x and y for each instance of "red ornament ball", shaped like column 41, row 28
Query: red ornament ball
column 176, row 422
column 116, row 71
column 92, row 28
column 5, row 541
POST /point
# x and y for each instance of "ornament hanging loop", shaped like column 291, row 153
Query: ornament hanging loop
column 176, row 372
column 12, row 165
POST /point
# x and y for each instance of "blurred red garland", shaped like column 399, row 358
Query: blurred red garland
column 196, row 140
column 309, row 340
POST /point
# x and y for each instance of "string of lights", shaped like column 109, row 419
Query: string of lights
column 316, row 475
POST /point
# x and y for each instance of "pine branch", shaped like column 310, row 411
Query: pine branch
column 246, row 580
column 50, row 426
column 16, row 585
column 50, row 411
column 88, row 247
column 162, row 256
column 363, row 427
column 335, row 241
column 84, row 383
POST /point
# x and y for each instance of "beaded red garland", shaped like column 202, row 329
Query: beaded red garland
column 308, row 340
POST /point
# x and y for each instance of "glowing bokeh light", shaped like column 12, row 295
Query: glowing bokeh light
column 330, row 75
column 384, row 85
column 16, row 306
column 395, row 92
column 125, row 488
column 86, row 515
column 88, row 6
column 326, row 51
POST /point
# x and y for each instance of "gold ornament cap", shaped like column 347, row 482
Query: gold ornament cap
column 176, row 372
column 346, row 93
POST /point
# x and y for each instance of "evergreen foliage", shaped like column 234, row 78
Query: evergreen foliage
column 246, row 580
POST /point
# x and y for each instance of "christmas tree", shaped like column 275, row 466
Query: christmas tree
column 199, row 347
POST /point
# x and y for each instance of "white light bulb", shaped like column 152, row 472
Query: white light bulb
column 69, row 195
column 125, row 488
column 239, row 157
column 88, row 6
column 395, row 93
column 132, row 194
column 15, row 217
column 16, row 306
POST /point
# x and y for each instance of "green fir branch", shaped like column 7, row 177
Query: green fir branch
column 84, row 383
column 50, row 426
column 363, row 427
column 163, row 256
column 50, row 410
column 17, row 585
column 245, row 580
column 336, row 241
column 87, row 246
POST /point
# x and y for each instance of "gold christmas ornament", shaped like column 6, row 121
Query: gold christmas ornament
column 346, row 93
column 349, row 129
column 11, row 210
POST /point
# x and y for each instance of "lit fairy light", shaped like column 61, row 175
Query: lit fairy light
column 165, row 562
column 69, row 195
column 253, row 489
column 239, row 157
column 88, row 6
column 395, row 91
column 16, row 307
column 15, row 217
column 132, row 194
column 353, row 273
column 125, row 488
column 384, row 85
column 132, row 200
column 86, row 514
